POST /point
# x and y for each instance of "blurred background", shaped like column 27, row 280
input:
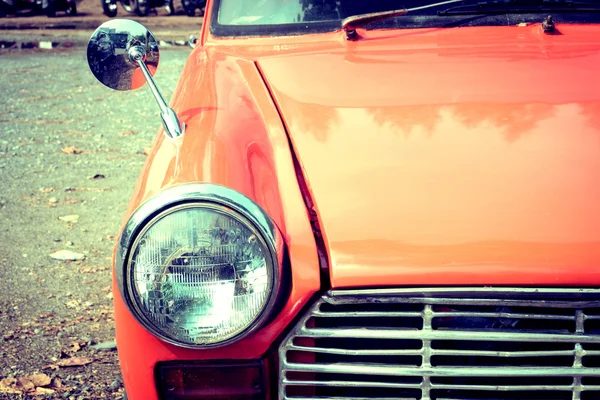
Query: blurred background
column 70, row 153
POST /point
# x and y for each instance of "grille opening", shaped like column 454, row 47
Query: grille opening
column 591, row 361
column 591, row 380
column 591, row 346
column 504, row 381
column 592, row 311
column 492, row 395
column 398, row 361
column 591, row 395
column 504, row 308
column 368, row 322
column 499, row 346
column 352, row 392
column 368, row 344
column 443, row 361
column 506, row 324
column 370, row 307
column 592, row 326
column 300, row 357
column 311, row 376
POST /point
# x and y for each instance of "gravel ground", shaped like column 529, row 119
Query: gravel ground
column 70, row 152
column 90, row 14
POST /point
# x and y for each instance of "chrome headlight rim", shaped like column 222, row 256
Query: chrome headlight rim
column 197, row 195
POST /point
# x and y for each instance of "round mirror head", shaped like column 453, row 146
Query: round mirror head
column 108, row 53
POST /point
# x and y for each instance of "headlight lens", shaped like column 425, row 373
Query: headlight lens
column 200, row 274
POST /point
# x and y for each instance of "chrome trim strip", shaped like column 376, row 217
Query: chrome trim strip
column 434, row 386
column 472, row 291
column 472, row 372
column 197, row 193
column 426, row 334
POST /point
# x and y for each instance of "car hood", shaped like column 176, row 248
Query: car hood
column 450, row 156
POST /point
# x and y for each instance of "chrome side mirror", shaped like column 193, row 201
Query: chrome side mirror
column 123, row 55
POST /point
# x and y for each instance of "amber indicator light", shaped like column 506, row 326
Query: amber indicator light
column 211, row 381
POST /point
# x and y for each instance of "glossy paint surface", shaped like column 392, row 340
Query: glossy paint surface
column 439, row 156
column 467, row 156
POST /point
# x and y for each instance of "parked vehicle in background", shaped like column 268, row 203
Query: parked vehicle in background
column 350, row 201
column 139, row 7
column 190, row 6
column 143, row 7
column 51, row 7
column 48, row 7
column 110, row 7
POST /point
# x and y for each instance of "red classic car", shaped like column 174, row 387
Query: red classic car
column 366, row 200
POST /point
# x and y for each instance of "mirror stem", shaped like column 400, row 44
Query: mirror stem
column 173, row 128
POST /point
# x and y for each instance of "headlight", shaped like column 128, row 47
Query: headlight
column 201, row 271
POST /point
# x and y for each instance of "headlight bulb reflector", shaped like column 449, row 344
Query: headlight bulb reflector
column 200, row 274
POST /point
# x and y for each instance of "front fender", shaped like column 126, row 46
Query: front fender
column 235, row 138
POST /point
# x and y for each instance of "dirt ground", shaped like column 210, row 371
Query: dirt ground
column 90, row 15
column 70, row 152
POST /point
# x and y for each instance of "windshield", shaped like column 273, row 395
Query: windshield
column 260, row 12
column 285, row 17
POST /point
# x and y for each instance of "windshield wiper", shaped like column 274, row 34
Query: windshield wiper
column 522, row 6
column 350, row 24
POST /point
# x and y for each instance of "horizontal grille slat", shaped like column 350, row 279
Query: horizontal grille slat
column 386, row 370
column 450, row 301
column 455, row 387
column 443, row 335
column 363, row 352
column 353, row 384
column 367, row 314
column 352, row 398
column 502, row 315
column 475, row 353
column 445, row 343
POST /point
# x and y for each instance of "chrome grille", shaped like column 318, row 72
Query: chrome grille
column 446, row 343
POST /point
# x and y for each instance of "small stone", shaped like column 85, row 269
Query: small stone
column 105, row 346
column 70, row 218
column 115, row 385
column 67, row 255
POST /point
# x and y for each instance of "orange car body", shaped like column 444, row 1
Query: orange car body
column 446, row 156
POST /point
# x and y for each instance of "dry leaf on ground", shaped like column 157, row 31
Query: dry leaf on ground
column 42, row 391
column 70, row 218
column 91, row 270
column 37, row 379
column 8, row 386
column 75, row 347
column 74, row 362
column 71, row 150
